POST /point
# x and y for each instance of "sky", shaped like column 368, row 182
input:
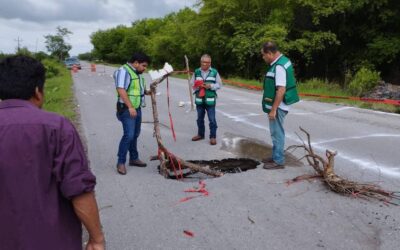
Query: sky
column 28, row 21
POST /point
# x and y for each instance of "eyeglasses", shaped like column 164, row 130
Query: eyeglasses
column 205, row 62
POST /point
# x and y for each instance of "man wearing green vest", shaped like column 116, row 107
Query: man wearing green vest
column 279, row 92
column 131, row 89
column 206, row 81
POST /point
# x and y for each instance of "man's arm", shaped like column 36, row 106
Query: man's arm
column 124, row 96
column 120, row 76
column 280, row 82
column 280, row 92
column 217, row 85
column 85, row 207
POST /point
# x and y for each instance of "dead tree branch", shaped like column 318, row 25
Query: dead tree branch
column 168, row 161
column 324, row 167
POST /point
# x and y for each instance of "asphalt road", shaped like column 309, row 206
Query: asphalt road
column 253, row 209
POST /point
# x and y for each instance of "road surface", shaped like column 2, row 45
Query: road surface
column 253, row 209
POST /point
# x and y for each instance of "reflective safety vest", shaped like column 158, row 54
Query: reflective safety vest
column 291, row 96
column 211, row 95
column 136, row 88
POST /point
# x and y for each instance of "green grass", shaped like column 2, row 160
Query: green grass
column 59, row 96
column 315, row 86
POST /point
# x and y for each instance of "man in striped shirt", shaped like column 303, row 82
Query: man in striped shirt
column 131, row 89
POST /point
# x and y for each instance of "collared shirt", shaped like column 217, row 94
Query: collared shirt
column 42, row 166
column 280, row 80
column 204, row 74
column 123, row 79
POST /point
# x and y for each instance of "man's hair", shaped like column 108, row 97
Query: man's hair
column 139, row 57
column 20, row 76
column 205, row 56
column 270, row 47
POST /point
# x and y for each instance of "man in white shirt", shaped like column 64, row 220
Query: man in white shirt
column 279, row 92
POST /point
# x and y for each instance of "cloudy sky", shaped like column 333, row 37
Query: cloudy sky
column 30, row 20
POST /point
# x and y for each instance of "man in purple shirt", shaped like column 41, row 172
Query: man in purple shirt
column 46, row 187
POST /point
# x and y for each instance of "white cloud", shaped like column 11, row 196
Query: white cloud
column 31, row 20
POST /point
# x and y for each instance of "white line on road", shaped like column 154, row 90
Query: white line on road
column 241, row 119
column 361, row 163
column 355, row 138
column 323, row 112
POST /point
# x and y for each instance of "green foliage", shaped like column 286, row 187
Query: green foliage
column 53, row 68
column 24, row 52
column 41, row 56
column 324, row 39
column 57, row 45
column 364, row 81
column 86, row 56
column 58, row 93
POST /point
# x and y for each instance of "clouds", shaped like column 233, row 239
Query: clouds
column 32, row 19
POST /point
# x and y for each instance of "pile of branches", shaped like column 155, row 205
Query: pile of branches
column 324, row 168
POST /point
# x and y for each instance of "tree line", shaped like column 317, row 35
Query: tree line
column 330, row 40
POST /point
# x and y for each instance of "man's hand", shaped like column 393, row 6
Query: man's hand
column 132, row 112
column 96, row 245
column 272, row 114
column 207, row 86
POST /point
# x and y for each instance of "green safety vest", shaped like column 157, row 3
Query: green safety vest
column 211, row 95
column 291, row 96
column 136, row 88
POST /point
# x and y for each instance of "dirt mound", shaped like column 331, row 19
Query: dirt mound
column 385, row 91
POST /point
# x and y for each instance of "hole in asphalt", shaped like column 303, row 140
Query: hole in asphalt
column 231, row 166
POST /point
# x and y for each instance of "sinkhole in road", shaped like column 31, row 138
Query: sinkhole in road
column 230, row 166
column 247, row 155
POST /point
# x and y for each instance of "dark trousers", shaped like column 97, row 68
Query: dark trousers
column 131, row 127
column 201, row 112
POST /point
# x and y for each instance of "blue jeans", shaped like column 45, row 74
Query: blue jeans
column 201, row 112
column 131, row 127
column 278, row 137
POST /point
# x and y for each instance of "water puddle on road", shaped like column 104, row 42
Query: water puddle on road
column 253, row 148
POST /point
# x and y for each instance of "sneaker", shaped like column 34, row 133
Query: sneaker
column 273, row 165
column 137, row 163
column 197, row 138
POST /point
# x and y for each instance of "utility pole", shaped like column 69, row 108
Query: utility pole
column 36, row 46
column 19, row 41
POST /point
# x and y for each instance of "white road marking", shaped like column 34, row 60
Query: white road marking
column 361, row 163
column 355, row 138
column 322, row 112
column 242, row 120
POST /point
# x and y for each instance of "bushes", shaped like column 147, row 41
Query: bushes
column 364, row 80
column 53, row 68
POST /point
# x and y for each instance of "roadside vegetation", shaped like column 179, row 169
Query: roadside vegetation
column 59, row 96
column 330, row 40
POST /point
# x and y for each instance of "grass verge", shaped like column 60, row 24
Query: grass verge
column 59, row 96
